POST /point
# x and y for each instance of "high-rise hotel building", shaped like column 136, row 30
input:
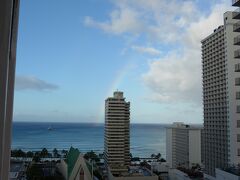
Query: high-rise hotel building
column 183, row 145
column 221, row 95
column 116, row 140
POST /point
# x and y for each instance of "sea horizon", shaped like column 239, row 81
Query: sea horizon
column 145, row 139
column 73, row 122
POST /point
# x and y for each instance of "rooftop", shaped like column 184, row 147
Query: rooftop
column 181, row 125
column 71, row 159
column 139, row 171
column 193, row 173
column 233, row 170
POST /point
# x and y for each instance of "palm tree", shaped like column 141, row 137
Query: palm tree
column 55, row 152
column 30, row 154
column 44, row 153
column 158, row 156
column 153, row 156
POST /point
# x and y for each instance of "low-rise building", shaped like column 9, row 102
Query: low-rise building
column 180, row 174
column 135, row 173
column 17, row 170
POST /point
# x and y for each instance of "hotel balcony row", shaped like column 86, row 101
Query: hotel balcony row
column 236, row 14
column 236, row 3
column 237, row 54
column 236, row 27
column 237, row 40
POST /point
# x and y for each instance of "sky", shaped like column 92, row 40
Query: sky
column 72, row 55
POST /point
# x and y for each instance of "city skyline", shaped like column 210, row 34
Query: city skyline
column 68, row 51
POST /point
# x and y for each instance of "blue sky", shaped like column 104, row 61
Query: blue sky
column 72, row 55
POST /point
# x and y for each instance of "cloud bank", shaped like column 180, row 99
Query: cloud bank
column 146, row 50
column 175, row 74
column 33, row 83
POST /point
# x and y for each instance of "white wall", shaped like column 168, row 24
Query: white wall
column 169, row 147
column 232, row 89
column 62, row 167
column 194, row 147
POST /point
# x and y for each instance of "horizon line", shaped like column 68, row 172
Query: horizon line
column 72, row 122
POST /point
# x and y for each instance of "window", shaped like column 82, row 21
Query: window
column 238, row 137
column 237, row 67
column 237, row 81
column 238, row 109
column 238, row 123
column 237, row 95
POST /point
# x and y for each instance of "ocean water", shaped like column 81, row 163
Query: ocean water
column 145, row 139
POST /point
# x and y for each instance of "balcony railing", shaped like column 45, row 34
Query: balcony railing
column 237, row 40
column 236, row 27
column 236, row 14
column 237, row 67
column 237, row 54
column 236, row 3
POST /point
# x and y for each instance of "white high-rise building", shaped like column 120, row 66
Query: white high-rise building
column 117, row 139
column 221, row 95
column 183, row 145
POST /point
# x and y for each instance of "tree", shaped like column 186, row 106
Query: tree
column 36, row 158
column 18, row 153
column 55, row 153
column 92, row 156
column 162, row 160
column 64, row 153
column 153, row 156
column 49, row 155
column 44, row 153
column 29, row 154
column 158, row 156
column 144, row 163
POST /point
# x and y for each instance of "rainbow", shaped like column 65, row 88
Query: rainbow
column 114, row 86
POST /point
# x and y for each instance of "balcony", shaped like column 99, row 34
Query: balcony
column 236, row 14
column 237, row 40
column 237, row 54
column 237, row 67
column 236, row 3
column 237, row 83
column 236, row 27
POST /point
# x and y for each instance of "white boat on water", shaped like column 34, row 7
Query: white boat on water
column 50, row 128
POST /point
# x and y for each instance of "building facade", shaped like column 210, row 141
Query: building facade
column 9, row 13
column 221, row 95
column 116, row 137
column 183, row 146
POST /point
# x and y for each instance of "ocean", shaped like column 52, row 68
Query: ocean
column 145, row 139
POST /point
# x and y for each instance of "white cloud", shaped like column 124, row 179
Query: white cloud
column 153, row 18
column 147, row 50
column 176, row 76
column 122, row 20
column 33, row 83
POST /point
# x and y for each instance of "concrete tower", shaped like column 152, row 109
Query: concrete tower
column 221, row 94
column 116, row 141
